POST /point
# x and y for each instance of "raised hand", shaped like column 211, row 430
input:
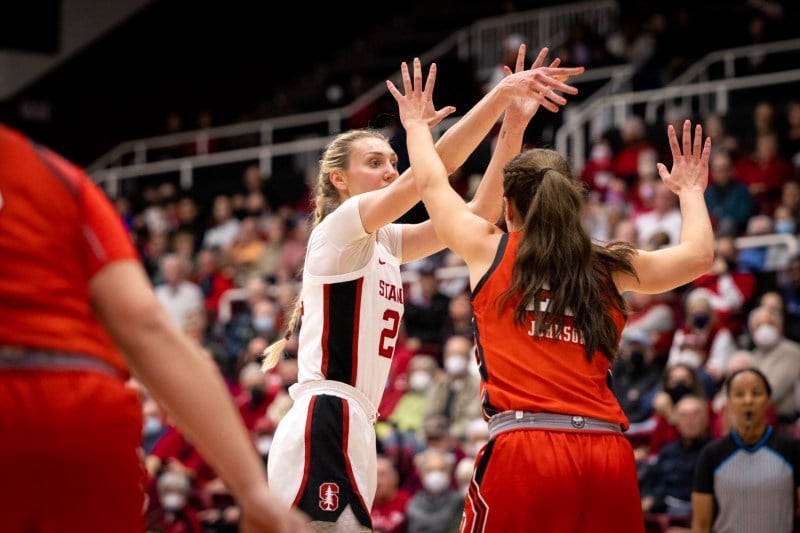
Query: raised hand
column 416, row 104
column 538, row 85
column 418, row 97
column 690, row 166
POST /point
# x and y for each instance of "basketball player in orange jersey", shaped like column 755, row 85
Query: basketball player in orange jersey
column 77, row 316
column 548, row 316
column 323, row 455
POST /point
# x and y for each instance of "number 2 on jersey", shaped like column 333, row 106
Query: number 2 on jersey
column 389, row 334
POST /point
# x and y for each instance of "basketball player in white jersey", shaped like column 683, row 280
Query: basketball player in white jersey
column 323, row 456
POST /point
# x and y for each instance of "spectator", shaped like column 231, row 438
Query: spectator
column 456, row 393
column 155, row 422
column 389, row 510
column 459, row 316
column 293, row 252
column 177, row 294
column 764, row 172
column 790, row 138
column 789, row 288
column 425, row 312
column 626, row 163
column 655, row 315
column 238, row 331
column 276, row 229
column 725, row 141
column 246, row 249
column 212, row 280
column 729, row 202
column 403, row 429
column 635, row 378
column 437, row 506
column 175, row 512
column 665, row 215
column 253, row 397
column 777, row 357
column 476, row 437
column 703, row 342
column 188, row 220
column 287, row 374
column 732, row 288
column 677, row 381
column 666, row 484
column 790, row 199
column 224, row 225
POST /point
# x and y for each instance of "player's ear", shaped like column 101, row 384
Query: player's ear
column 337, row 179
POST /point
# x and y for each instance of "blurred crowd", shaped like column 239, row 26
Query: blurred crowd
column 228, row 274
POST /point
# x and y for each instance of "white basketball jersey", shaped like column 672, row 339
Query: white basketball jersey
column 350, row 321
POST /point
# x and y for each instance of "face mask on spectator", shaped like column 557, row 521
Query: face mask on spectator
column 784, row 226
column 257, row 395
column 766, row 335
column 173, row 501
column 455, row 365
column 264, row 443
column 700, row 320
column 419, row 380
column 264, row 323
column 436, row 481
column 678, row 391
column 152, row 425
column 637, row 360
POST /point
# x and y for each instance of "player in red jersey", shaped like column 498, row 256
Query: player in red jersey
column 548, row 316
column 78, row 316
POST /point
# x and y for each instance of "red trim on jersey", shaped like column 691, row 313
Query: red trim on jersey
column 356, row 324
column 345, row 445
column 307, row 462
column 479, row 510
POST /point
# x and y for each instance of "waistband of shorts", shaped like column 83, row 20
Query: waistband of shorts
column 15, row 358
column 336, row 388
column 510, row 420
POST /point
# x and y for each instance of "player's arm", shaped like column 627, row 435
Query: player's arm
column 162, row 358
column 702, row 512
column 667, row 268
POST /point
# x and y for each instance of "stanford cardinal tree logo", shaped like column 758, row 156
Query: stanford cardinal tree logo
column 328, row 496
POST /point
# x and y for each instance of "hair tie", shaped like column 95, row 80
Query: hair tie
column 544, row 171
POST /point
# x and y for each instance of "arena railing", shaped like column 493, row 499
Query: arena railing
column 729, row 59
column 574, row 136
column 481, row 41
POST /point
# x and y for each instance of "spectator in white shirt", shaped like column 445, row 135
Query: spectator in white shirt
column 179, row 296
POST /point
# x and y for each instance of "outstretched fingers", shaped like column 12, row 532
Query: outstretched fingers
column 406, row 78
column 687, row 138
column 673, row 143
column 698, row 141
column 417, row 87
column 538, row 62
column 430, row 82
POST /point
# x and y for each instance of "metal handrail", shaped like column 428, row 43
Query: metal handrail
column 571, row 137
column 699, row 71
column 480, row 41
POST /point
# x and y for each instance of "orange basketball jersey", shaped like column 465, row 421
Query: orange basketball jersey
column 525, row 372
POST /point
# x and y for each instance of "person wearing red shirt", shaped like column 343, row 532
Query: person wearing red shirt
column 389, row 509
column 549, row 313
column 78, row 318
